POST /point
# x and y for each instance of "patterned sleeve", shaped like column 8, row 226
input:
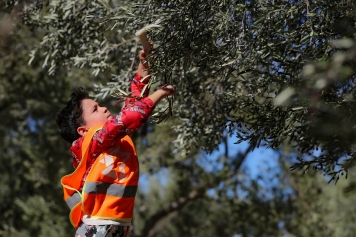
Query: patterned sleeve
column 132, row 116
column 138, row 83
column 129, row 120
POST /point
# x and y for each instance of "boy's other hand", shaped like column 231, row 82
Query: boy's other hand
column 144, row 65
column 143, row 54
column 143, row 62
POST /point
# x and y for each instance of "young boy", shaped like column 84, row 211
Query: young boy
column 101, row 191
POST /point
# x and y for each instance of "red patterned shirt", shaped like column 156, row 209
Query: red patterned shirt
column 132, row 116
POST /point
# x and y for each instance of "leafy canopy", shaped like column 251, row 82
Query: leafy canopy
column 267, row 70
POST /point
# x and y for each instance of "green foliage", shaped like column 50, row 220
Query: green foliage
column 230, row 60
column 234, row 64
column 33, row 156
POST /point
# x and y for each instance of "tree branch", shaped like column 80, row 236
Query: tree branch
column 174, row 206
column 193, row 195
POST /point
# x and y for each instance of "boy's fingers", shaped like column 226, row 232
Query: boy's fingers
column 142, row 55
column 168, row 88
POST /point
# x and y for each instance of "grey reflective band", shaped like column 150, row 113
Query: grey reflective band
column 110, row 189
column 73, row 200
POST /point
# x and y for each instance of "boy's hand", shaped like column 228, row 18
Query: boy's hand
column 143, row 55
column 161, row 93
column 143, row 66
column 168, row 90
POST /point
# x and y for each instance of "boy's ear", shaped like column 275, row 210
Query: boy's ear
column 82, row 130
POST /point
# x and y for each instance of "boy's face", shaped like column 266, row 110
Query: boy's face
column 93, row 115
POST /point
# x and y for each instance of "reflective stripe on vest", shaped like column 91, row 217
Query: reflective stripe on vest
column 73, row 200
column 110, row 189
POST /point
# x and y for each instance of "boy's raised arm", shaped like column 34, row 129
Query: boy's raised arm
column 135, row 112
column 139, row 82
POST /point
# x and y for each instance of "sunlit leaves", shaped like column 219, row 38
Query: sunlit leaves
column 267, row 65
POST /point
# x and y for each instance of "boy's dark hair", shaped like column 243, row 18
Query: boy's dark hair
column 70, row 117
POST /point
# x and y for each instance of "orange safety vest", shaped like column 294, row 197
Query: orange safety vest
column 110, row 188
